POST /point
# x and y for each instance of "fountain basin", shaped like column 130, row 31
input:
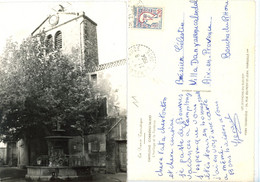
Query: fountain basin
column 44, row 173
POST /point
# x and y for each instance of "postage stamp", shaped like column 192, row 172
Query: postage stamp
column 141, row 60
column 148, row 18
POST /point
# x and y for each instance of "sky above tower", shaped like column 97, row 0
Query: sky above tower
column 19, row 19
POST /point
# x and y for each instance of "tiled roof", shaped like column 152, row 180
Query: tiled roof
column 107, row 66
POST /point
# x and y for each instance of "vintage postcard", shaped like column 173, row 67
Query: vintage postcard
column 191, row 90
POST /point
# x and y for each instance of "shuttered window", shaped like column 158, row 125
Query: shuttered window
column 58, row 40
column 94, row 78
column 93, row 146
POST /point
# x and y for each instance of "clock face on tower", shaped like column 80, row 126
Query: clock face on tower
column 54, row 19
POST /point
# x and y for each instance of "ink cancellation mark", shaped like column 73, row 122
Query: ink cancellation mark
column 148, row 18
column 141, row 59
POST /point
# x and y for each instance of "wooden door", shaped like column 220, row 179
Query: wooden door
column 122, row 156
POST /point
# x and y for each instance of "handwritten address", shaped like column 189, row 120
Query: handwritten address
column 197, row 69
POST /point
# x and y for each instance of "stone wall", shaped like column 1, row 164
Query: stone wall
column 2, row 156
column 90, row 44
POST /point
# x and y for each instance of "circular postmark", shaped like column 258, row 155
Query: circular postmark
column 141, row 60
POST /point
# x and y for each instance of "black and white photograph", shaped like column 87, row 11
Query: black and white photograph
column 63, row 95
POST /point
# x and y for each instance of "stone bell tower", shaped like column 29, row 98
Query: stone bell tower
column 74, row 34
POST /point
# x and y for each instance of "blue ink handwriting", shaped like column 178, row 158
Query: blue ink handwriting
column 236, row 129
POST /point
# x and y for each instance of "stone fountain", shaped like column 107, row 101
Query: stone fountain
column 58, row 161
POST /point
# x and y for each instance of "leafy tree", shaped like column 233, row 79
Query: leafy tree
column 40, row 87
